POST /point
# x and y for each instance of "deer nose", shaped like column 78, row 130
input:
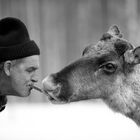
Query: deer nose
column 49, row 85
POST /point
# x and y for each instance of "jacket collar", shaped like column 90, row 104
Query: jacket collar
column 3, row 102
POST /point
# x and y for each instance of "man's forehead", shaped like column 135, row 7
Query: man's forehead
column 31, row 61
column 31, row 58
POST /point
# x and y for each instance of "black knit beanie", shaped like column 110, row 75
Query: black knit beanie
column 15, row 42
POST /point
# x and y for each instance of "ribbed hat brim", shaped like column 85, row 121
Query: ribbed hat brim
column 19, row 51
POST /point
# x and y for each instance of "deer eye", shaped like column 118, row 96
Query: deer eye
column 109, row 68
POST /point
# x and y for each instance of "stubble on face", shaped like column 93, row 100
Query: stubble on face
column 21, row 75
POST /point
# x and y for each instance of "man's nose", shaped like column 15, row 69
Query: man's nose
column 34, row 79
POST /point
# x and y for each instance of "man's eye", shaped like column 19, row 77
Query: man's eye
column 30, row 70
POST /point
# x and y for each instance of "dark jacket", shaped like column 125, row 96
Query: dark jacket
column 3, row 102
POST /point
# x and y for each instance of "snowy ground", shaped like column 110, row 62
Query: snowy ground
column 75, row 121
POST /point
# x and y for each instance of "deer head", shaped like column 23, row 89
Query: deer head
column 108, row 70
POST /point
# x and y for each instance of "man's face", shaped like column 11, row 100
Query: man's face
column 23, row 74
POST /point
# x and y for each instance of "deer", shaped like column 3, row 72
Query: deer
column 108, row 70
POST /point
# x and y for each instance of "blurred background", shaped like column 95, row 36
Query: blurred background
column 62, row 29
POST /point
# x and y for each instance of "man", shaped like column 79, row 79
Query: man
column 19, row 60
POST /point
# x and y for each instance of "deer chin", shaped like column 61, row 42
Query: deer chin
column 54, row 99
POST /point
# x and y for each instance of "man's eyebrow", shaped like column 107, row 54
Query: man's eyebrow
column 32, row 68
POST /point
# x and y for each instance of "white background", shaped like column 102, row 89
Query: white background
column 74, row 121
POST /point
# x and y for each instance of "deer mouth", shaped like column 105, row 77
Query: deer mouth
column 55, row 91
column 48, row 93
column 53, row 98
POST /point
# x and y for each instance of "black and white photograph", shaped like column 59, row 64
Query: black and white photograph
column 69, row 70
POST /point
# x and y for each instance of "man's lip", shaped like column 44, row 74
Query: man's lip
column 30, row 85
column 30, row 88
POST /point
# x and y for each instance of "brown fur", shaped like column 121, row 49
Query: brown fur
column 109, row 70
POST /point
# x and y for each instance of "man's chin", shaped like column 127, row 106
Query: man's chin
column 27, row 94
column 24, row 94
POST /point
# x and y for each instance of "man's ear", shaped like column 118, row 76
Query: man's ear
column 7, row 67
column 133, row 56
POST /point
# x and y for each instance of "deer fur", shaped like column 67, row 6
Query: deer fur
column 108, row 70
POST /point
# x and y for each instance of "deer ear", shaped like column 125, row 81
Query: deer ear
column 136, row 54
column 132, row 56
column 114, row 30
